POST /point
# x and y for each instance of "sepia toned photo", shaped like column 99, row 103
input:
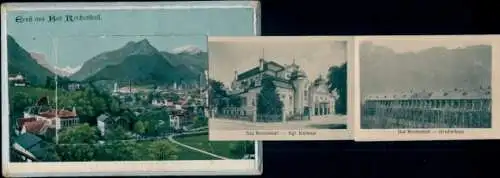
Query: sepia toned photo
column 426, row 87
column 112, row 103
column 275, row 88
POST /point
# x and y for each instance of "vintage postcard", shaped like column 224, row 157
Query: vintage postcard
column 279, row 88
column 116, row 89
column 426, row 87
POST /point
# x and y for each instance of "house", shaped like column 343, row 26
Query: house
column 66, row 118
column 301, row 98
column 101, row 123
column 37, row 127
column 463, row 108
column 178, row 119
column 161, row 102
column 29, row 147
column 73, row 86
column 106, row 121
column 17, row 80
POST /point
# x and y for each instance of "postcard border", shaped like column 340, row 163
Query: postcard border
column 321, row 134
column 392, row 134
column 215, row 167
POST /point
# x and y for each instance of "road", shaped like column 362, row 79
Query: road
column 226, row 124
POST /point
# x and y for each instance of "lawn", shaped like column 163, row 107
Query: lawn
column 221, row 148
column 187, row 154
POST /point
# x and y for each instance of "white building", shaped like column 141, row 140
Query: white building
column 300, row 97
column 17, row 80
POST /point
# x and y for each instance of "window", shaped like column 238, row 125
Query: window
column 305, row 93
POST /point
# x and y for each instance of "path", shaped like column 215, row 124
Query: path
column 171, row 139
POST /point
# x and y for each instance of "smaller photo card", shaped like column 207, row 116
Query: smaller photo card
column 279, row 88
column 427, row 87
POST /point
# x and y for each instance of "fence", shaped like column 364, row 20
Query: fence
column 235, row 113
column 269, row 118
column 383, row 116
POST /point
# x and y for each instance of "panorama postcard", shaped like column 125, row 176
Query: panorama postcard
column 427, row 87
column 116, row 89
column 280, row 88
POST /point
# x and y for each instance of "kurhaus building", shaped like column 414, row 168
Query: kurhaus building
column 456, row 108
column 300, row 97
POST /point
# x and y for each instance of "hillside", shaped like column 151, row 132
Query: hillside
column 384, row 71
column 144, row 69
column 196, row 63
column 180, row 66
column 99, row 62
column 21, row 62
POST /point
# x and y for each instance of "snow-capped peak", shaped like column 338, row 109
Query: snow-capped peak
column 66, row 71
column 189, row 49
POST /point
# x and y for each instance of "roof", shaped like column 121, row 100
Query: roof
column 481, row 93
column 21, row 121
column 36, row 109
column 61, row 114
column 36, row 127
column 256, row 70
column 33, row 144
column 27, row 140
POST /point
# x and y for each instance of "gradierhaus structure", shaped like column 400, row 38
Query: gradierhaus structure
column 456, row 108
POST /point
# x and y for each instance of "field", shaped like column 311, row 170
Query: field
column 221, row 148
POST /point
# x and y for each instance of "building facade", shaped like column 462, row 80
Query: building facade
column 457, row 108
column 301, row 98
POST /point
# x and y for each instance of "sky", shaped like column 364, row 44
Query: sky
column 314, row 57
column 401, row 45
column 77, row 45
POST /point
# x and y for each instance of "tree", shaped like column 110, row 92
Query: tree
column 200, row 121
column 139, row 127
column 268, row 100
column 216, row 91
column 240, row 148
column 76, row 152
column 82, row 133
column 19, row 102
column 117, row 133
column 337, row 81
column 50, row 83
column 163, row 150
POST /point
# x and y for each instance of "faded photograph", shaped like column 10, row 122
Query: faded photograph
column 425, row 83
column 277, row 84
column 114, row 101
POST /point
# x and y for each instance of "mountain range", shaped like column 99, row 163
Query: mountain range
column 382, row 70
column 41, row 59
column 138, row 62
